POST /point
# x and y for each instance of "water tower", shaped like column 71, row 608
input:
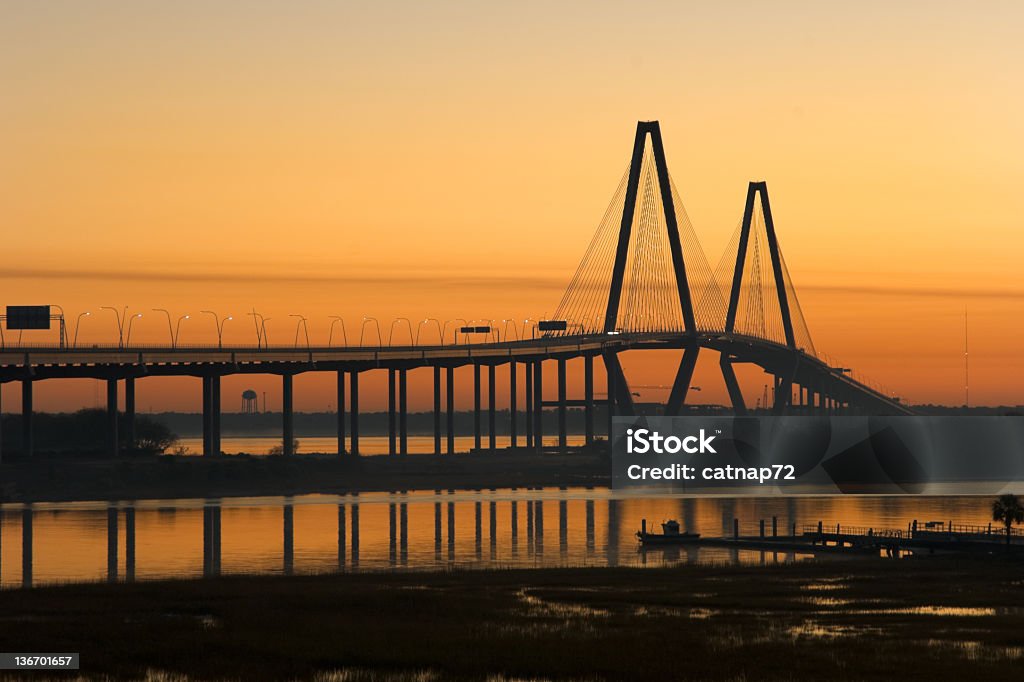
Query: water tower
column 249, row 402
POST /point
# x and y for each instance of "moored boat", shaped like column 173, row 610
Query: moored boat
column 670, row 534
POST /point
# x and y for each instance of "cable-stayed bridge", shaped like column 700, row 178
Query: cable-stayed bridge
column 644, row 283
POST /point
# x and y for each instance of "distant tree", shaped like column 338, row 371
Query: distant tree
column 1008, row 510
column 279, row 449
column 152, row 436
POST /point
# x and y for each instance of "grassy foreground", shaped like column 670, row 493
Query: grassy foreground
column 913, row 619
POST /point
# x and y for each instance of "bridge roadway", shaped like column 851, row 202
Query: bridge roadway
column 819, row 388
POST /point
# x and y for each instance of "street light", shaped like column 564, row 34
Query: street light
column 366, row 319
column 258, row 322
column 220, row 326
column 78, row 322
column 335, row 319
column 131, row 319
column 391, row 332
column 440, row 331
column 170, row 330
column 300, row 324
column 120, row 323
column 177, row 328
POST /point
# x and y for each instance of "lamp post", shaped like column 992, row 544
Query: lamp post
column 128, row 338
column 220, row 326
column 78, row 321
column 391, row 332
column 177, row 328
column 300, row 324
column 440, row 331
column 366, row 320
column 259, row 323
column 170, row 330
column 120, row 323
column 335, row 319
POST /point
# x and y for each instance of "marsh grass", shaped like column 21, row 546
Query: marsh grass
column 913, row 619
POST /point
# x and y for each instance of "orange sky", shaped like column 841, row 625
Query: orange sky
column 452, row 160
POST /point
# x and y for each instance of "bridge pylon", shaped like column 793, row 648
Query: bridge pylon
column 645, row 130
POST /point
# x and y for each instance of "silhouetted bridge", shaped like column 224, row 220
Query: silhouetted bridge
column 643, row 284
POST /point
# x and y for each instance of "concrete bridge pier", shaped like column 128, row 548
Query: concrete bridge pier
column 403, row 412
column 113, row 444
column 211, row 415
column 612, row 388
column 563, row 437
column 129, row 412
column 588, row 398
column 392, row 435
column 27, row 445
column 437, row 410
column 288, row 414
column 449, row 387
column 492, row 436
column 528, row 412
column 341, row 412
column 477, row 441
column 538, row 404
column 513, row 406
column 354, row 409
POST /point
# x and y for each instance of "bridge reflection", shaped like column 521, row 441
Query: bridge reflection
column 435, row 530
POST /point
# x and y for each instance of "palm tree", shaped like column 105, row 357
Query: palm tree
column 1008, row 509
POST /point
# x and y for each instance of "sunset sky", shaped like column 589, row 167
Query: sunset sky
column 452, row 159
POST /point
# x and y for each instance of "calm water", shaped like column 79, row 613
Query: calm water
column 72, row 542
column 368, row 445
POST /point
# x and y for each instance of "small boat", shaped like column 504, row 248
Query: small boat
column 669, row 534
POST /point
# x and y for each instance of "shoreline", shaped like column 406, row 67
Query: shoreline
column 180, row 477
column 846, row 619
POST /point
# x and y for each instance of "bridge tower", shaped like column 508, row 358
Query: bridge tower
column 757, row 193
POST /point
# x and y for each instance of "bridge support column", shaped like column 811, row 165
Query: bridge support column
column 27, row 444
column 207, row 430
column 513, row 406
column 538, row 404
column 353, row 386
column 341, row 412
column 449, row 387
column 403, row 412
column 391, row 412
column 783, row 395
column 288, row 415
column 477, row 441
column 437, row 410
column 112, row 439
column 681, row 385
column 588, row 398
column 492, row 436
column 528, row 412
column 129, row 413
column 215, row 413
column 611, row 400
column 563, row 436
column 739, row 407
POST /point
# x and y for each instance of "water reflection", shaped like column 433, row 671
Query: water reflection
column 421, row 530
